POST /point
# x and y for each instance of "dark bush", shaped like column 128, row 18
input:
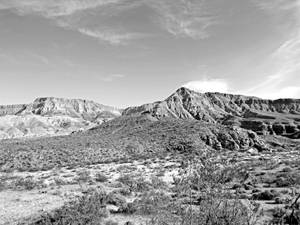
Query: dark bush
column 99, row 177
column 265, row 195
column 89, row 209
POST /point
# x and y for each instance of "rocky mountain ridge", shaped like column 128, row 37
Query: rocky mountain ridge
column 56, row 116
column 280, row 116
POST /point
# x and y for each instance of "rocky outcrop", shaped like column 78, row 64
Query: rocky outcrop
column 280, row 116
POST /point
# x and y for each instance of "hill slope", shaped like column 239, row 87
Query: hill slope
column 280, row 116
column 121, row 138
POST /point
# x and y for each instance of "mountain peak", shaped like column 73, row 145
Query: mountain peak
column 183, row 90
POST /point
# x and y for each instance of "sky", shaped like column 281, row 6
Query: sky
column 131, row 52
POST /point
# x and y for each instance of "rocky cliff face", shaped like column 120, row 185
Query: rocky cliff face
column 52, row 116
column 280, row 116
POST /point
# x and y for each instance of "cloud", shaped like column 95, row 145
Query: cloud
column 289, row 92
column 71, row 14
column 183, row 18
column 277, row 5
column 277, row 92
column 212, row 85
column 284, row 81
column 286, row 64
column 53, row 8
column 110, row 36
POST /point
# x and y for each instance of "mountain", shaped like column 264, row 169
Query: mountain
column 52, row 116
column 184, row 122
column 281, row 117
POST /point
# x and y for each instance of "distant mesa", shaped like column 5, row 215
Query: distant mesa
column 52, row 116
column 50, row 106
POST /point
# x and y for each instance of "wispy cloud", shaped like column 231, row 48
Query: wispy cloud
column 184, row 18
column 113, row 37
column 69, row 13
column 53, row 8
column 181, row 18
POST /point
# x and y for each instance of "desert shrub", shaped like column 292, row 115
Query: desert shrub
column 158, row 183
column 128, row 223
column 209, row 212
column 2, row 186
column 126, row 168
column 282, row 200
column 83, row 176
column 203, row 196
column 160, row 173
column 58, row 181
column 265, row 195
column 287, row 169
column 134, row 184
column 128, row 208
column 116, row 199
column 217, row 212
column 125, row 191
column 125, row 179
column 289, row 215
column 283, row 181
column 88, row 209
column 3, row 182
column 100, row 177
column 152, row 202
column 111, row 222
column 27, row 183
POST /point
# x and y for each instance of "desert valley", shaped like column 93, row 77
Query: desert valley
column 193, row 158
column 149, row 112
